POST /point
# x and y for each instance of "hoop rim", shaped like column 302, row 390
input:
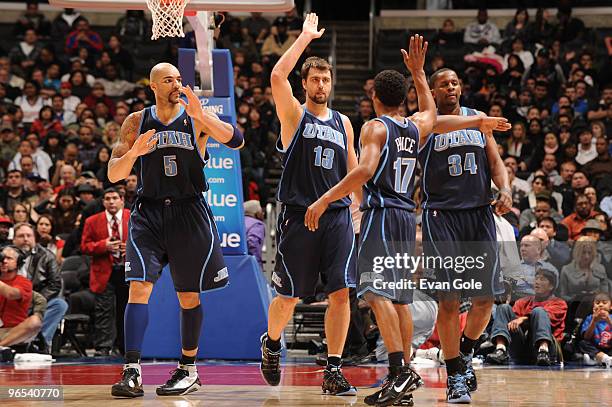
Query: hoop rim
column 193, row 5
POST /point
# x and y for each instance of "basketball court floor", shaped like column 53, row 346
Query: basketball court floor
column 240, row 384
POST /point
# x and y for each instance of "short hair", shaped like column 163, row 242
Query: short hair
column 549, row 219
column 390, row 87
column 110, row 190
column 602, row 296
column 22, row 225
column 434, row 76
column 316, row 63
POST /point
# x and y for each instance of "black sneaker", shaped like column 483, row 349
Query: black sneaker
column 130, row 384
column 335, row 383
column 470, row 375
column 270, row 363
column 543, row 358
column 499, row 357
column 405, row 380
column 406, row 400
column 184, row 380
column 457, row 391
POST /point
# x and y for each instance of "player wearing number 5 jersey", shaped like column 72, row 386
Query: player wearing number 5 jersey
column 317, row 144
column 458, row 223
column 389, row 146
column 170, row 223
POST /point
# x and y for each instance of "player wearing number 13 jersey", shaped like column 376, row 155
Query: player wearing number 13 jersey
column 171, row 223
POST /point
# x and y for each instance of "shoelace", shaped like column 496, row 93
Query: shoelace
column 129, row 372
column 457, row 383
column 338, row 379
column 174, row 376
column 272, row 358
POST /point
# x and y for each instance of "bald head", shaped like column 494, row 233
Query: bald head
column 166, row 83
column 161, row 70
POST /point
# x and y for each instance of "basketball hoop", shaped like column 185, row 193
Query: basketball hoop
column 167, row 17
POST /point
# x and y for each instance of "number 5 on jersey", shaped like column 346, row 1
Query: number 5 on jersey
column 170, row 165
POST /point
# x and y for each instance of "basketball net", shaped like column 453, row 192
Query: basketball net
column 167, row 17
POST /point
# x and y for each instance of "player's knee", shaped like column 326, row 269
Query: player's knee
column 483, row 304
column 340, row 297
column 188, row 300
column 140, row 291
column 448, row 307
column 286, row 303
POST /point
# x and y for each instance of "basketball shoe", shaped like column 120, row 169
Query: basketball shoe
column 270, row 363
column 402, row 380
column 470, row 375
column 184, row 380
column 335, row 383
column 130, row 384
column 457, row 391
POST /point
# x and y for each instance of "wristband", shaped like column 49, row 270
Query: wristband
column 236, row 140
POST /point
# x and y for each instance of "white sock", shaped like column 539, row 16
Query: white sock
column 500, row 346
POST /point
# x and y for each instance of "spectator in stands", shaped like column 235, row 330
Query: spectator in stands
column 82, row 36
column 113, row 85
column 70, row 101
column 530, row 217
column 557, row 252
column 545, row 69
column 21, row 213
column 236, row 40
column 518, row 145
column 585, row 275
column 32, row 19
column 15, row 301
column 482, row 32
column 530, row 328
column 46, row 237
column 30, row 103
column 47, row 122
column 520, row 188
column 23, row 56
column 279, row 41
column 517, row 27
column 42, row 162
column 365, row 113
column 539, row 187
column 517, row 48
column 133, row 27
column 257, row 27
column 40, row 267
column 448, row 36
column 601, row 166
column 598, row 109
column 540, row 31
column 9, row 144
column 6, row 224
column 255, row 229
column 596, row 331
column 13, row 191
column 570, row 29
column 104, row 237
column 88, row 148
column 121, row 57
column 59, row 112
column 577, row 220
column 294, row 22
column 522, row 277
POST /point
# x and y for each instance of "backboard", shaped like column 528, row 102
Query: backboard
column 211, row 5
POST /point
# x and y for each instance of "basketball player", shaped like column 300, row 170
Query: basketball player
column 458, row 221
column 167, row 144
column 389, row 147
column 317, row 145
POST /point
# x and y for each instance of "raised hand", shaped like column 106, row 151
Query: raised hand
column 192, row 106
column 490, row 124
column 145, row 143
column 310, row 27
column 415, row 58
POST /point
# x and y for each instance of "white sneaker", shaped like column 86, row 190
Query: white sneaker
column 607, row 361
column 586, row 359
column 184, row 380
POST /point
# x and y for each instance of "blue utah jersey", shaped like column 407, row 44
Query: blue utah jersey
column 315, row 161
column 174, row 169
column 456, row 171
column 393, row 183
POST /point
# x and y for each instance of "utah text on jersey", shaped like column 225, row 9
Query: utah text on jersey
column 172, row 138
column 322, row 132
column 459, row 138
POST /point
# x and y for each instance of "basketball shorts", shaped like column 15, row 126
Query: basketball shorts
column 387, row 234
column 181, row 233
column 461, row 249
column 302, row 256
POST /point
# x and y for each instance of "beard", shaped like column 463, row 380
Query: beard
column 318, row 99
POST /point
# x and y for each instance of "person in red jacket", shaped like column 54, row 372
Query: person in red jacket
column 15, row 300
column 104, row 237
column 530, row 327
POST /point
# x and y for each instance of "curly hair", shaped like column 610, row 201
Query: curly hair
column 390, row 87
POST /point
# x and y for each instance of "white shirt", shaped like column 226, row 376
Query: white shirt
column 584, row 156
column 109, row 223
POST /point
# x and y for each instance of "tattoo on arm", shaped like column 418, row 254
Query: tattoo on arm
column 128, row 135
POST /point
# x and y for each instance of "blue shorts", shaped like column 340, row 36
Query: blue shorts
column 466, row 241
column 386, row 233
column 181, row 233
column 303, row 255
